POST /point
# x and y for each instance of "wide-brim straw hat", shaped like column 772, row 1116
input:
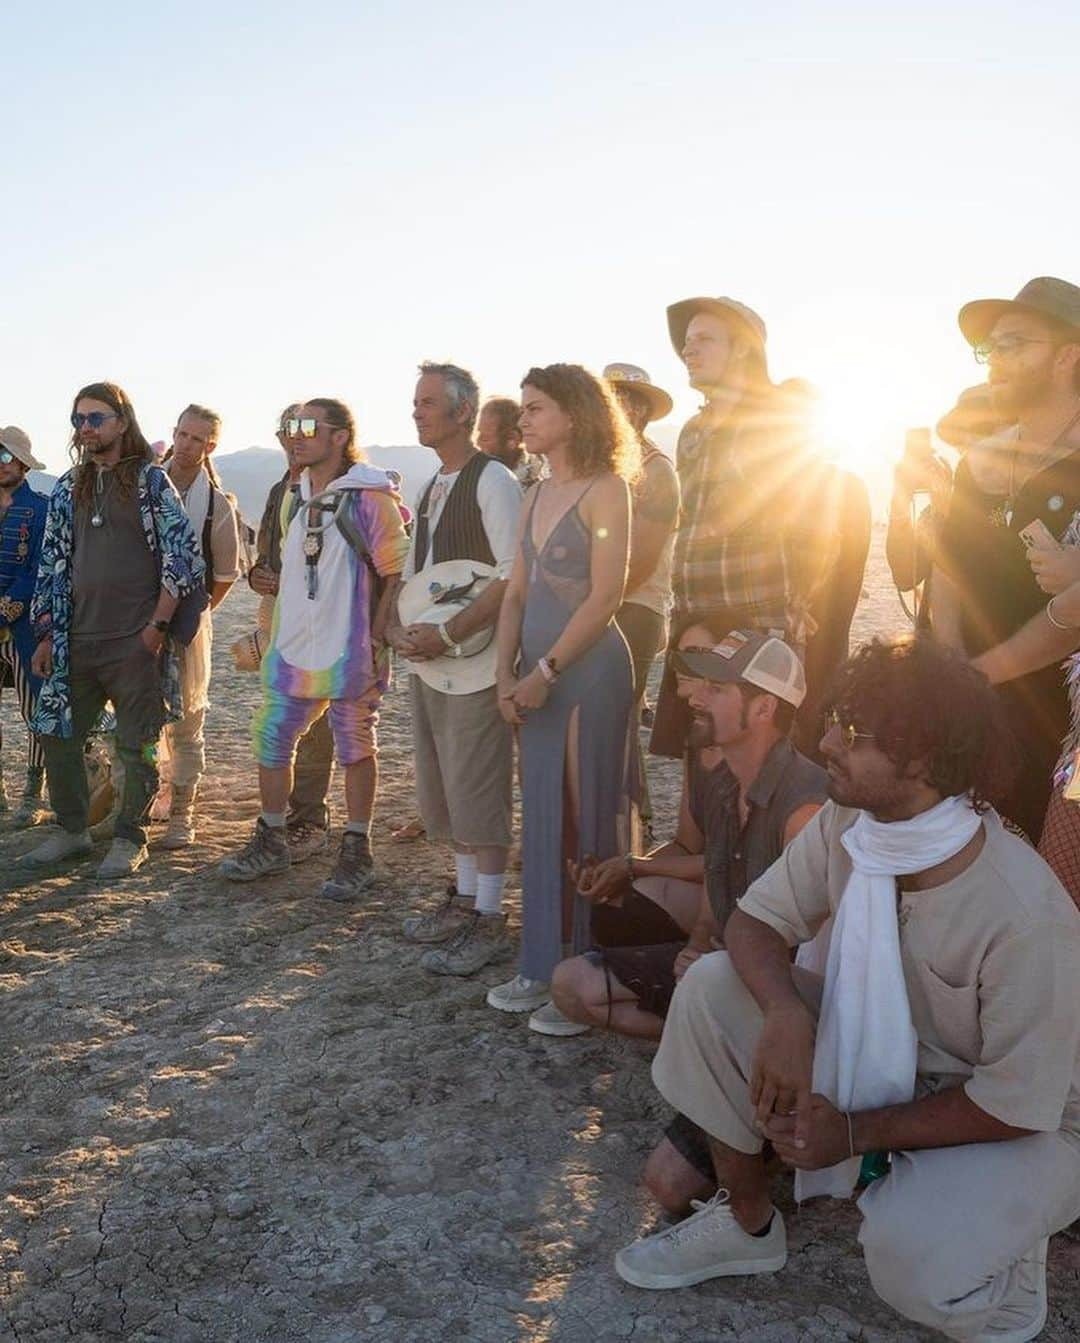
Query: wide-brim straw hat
column 434, row 596
column 17, row 442
column 743, row 318
column 630, row 375
column 1047, row 297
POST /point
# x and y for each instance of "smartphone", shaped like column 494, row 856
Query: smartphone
column 1038, row 536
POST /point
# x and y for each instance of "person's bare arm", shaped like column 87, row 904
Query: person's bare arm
column 508, row 630
column 1037, row 644
column 945, row 610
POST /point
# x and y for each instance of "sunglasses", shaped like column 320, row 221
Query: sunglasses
column 94, row 420
column 307, row 428
column 6, row 458
column 849, row 734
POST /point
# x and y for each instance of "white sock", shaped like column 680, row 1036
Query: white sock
column 489, row 892
column 274, row 819
column 356, row 827
column 465, row 880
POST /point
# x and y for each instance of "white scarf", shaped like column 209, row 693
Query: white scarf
column 866, row 1051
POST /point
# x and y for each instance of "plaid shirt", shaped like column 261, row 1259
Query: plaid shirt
column 748, row 540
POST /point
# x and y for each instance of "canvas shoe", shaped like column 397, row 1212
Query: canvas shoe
column 708, row 1244
column 1032, row 1280
column 479, row 940
column 124, row 858
column 266, row 852
column 306, row 839
column 354, row 870
column 442, row 923
column 181, row 829
column 548, row 1020
column 519, row 994
column 58, row 848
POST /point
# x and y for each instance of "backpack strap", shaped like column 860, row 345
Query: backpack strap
column 208, row 543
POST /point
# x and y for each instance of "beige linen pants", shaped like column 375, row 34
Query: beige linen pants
column 947, row 1234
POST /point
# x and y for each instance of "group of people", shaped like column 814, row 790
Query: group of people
column 850, row 954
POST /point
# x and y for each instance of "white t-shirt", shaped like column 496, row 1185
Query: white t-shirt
column 499, row 497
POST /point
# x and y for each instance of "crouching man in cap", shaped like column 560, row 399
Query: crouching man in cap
column 944, row 1033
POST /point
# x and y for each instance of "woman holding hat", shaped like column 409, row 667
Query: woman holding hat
column 564, row 676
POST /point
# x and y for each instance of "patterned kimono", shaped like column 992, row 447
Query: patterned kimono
column 169, row 535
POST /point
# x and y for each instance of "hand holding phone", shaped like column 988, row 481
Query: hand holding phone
column 1038, row 536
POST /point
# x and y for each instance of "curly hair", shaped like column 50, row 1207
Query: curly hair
column 602, row 438
column 925, row 702
column 135, row 451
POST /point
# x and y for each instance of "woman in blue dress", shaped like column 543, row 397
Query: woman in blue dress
column 564, row 672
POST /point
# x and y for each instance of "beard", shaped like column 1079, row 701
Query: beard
column 1020, row 393
column 699, row 735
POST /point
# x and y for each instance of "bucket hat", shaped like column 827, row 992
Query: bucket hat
column 17, row 442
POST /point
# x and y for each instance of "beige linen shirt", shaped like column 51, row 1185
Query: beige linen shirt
column 991, row 960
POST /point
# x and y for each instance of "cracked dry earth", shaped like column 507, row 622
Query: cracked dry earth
column 244, row 1115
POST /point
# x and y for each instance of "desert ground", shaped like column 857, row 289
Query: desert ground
column 245, row 1115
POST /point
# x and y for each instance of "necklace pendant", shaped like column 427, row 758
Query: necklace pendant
column 96, row 520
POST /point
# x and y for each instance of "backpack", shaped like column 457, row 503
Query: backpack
column 332, row 501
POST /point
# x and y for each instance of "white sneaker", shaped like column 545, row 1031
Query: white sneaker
column 1032, row 1280
column 548, row 1020
column 124, row 858
column 708, row 1244
column 57, row 848
column 519, row 994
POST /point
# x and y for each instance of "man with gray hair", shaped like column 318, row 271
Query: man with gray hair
column 464, row 750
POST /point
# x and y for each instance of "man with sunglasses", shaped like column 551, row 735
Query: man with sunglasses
column 987, row 584
column 943, row 1039
column 22, row 525
column 308, row 817
column 118, row 556
column 343, row 549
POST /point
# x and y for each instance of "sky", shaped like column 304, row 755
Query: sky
column 244, row 205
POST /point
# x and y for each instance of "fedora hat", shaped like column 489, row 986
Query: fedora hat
column 629, row 375
column 744, row 319
column 1056, row 300
column 434, row 596
column 17, row 442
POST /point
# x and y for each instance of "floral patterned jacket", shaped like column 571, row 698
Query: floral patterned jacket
column 169, row 535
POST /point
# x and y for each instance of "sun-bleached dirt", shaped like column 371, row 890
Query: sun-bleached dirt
column 245, row 1115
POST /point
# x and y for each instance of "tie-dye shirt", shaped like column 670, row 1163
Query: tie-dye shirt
column 321, row 643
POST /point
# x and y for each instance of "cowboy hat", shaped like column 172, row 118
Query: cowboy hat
column 17, row 443
column 1056, row 300
column 745, row 320
column 434, row 596
column 629, row 375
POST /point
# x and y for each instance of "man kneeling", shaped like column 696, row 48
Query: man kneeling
column 945, row 1031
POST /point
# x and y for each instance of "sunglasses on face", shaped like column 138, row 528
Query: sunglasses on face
column 849, row 734
column 307, row 428
column 6, row 458
column 94, row 420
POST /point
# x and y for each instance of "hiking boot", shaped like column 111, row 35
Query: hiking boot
column 266, row 852
column 479, row 940
column 32, row 809
column 708, row 1244
column 442, row 923
column 354, row 870
column 519, row 994
column 181, row 828
column 305, row 839
column 58, row 848
column 548, row 1020
column 124, row 858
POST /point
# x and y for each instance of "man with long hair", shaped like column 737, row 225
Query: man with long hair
column 118, row 556
column 342, row 553
column 213, row 518
column 944, row 1037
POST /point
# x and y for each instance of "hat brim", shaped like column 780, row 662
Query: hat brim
column 679, row 316
column 707, row 666
column 978, row 318
column 660, row 404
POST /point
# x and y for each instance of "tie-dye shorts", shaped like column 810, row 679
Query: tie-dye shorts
column 281, row 720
